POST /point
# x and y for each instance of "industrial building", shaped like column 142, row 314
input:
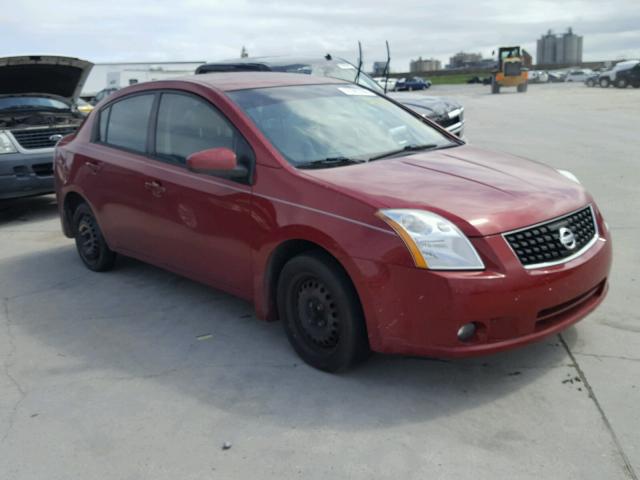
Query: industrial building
column 122, row 74
column 424, row 65
column 564, row 49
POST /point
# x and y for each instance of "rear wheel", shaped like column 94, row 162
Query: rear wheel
column 321, row 313
column 90, row 243
column 604, row 82
column 522, row 88
column 590, row 83
column 622, row 83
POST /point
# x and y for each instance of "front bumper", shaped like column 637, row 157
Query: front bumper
column 23, row 175
column 418, row 312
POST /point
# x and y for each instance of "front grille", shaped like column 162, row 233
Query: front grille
column 33, row 138
column 541, row 245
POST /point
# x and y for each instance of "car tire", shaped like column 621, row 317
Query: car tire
column 590, row 83
column 321, row 313
column 604, row 82
column 622, row 83
column 90, row 243
column 522, row 88
column 636, row 85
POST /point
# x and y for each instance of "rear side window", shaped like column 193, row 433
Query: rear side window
column 187, row 125
column 128, row 121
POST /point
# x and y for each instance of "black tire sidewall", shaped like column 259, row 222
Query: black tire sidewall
column 353, row 344
column 106, row 257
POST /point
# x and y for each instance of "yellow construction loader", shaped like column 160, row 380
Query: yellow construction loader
column 511, row 71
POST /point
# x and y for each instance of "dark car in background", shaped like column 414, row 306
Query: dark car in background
column 412, row 83
column 37, row 108
column 628, row 76
column 446, row 112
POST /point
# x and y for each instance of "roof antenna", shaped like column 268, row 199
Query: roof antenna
column 328, row 57
column 359, row 62
column 386, row 68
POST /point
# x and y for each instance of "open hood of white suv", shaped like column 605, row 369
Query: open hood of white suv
column 62, row 77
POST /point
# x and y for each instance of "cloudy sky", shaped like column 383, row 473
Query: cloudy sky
column 139, row 30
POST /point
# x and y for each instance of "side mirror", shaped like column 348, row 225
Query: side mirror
column 216, row 161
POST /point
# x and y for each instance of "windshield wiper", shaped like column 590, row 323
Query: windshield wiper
column 408, row 148
column 331, row 162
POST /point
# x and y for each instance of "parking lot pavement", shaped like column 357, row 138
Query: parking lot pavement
column 115, row 375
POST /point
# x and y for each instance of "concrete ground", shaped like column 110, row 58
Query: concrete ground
column 108, row 376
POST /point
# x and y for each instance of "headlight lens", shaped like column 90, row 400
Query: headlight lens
column 569, row 175
column 433, row 241
column 6, row 146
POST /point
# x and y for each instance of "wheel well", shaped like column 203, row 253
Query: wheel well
column 282, row 254
column 71, row 201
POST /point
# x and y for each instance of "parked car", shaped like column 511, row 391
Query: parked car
column 37, row 108
column 579, row 75
column 356, row 222
column 389, row 82
column 628, row 76
column 446, row 112
column 608, row 77
column 83, row 106
column 412, row 83
column 592, row 80
column 479, row 80
column 557, row 76
column 538, row 76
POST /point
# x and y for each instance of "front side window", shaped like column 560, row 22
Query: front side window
column 187, row 124
column 128, row 122
column 310, row 123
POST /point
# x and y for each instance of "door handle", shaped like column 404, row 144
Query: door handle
column 93, row 166
column 155, row 188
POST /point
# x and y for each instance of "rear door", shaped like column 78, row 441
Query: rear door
column 114, row 173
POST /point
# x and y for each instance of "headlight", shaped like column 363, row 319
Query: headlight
column 434, row 242
column 6, row 146
column 569, row 175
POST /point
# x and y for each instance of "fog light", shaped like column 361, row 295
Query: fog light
column 466, row 332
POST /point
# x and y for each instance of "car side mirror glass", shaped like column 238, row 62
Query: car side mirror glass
column 221, row 162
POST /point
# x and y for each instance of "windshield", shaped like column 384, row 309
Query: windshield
column 311, row 123
column 332, row 69
column 31, row 103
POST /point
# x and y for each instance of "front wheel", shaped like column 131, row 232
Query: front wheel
column 604, row 82
column 321, row 313
column 90, row 242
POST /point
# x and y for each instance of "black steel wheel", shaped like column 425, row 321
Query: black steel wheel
column 92, row 248
column 321, row 312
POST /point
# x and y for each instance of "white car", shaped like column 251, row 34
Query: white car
column 391, row 82
column 538, row 76
column 579, row 75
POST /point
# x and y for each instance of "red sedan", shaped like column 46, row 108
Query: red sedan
column 359, row 224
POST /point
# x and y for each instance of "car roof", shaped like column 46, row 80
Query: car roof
column 230, row 81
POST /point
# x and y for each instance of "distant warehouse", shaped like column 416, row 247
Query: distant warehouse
column 123, row 74
column 565, row 49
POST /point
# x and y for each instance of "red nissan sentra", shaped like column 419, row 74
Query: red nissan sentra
column 359, row 224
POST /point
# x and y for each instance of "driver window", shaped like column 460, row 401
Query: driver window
column 187, row 125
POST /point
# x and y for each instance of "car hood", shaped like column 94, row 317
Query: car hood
column 483, row 193
column 440, row 106
column 61, row 77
